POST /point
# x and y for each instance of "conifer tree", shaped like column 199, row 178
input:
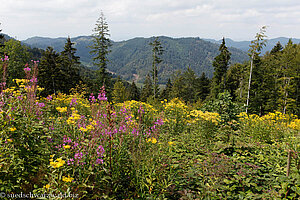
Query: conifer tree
column 165, row 94
column 119, row 93
column 100, row 50
column 70, row 64
column 202, row 87
column 147, row 90
column 134, row 93
column 254, row 51
column 157, row 51
column 220, row 64
column 50, row 76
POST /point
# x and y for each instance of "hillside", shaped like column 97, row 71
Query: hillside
column 244, row 45
column 132, row 58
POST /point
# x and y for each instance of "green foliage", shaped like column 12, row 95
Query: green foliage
column 147, row 90
column 157, row 51
column 119, row 93
column 224, row 105
column 220, row 64
column 18, row 55
column 100, row 50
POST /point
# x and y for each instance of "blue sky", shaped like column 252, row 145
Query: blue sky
column 235, row 19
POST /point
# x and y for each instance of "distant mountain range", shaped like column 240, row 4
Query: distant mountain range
column 244, row 45
column 132, row 58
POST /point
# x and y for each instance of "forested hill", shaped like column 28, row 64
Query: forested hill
column 244, row 45
column 132, row 58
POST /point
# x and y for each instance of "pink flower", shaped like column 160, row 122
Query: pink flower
column 27, row 69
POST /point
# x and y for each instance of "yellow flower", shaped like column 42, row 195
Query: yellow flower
column 61, row 110
column 47, row 186
column 153, row 140
column 67, row 179
column 51, row 156
column 9, row 140
column 12, row 129
column 83, row 129
column 170, row 143
column 57, row 163
column 67, row 146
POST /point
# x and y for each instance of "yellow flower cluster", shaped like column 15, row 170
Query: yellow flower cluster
column 295, row 124
column 67, row 146
column 137, row 104
column 61, row 109
column 13, row 129
column 207, row 116
column 74, row 117
column 272, row 120
column 153, row 140
column 67, row 179
column 57, row 163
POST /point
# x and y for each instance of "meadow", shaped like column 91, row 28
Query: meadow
column 83, row 145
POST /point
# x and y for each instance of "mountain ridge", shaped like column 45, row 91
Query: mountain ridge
column 133, row 57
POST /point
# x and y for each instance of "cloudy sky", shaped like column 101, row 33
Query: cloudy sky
column 236, row 19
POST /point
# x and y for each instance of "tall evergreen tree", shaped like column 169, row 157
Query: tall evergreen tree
column 70, row 64
column 165, row 94
column 119, row 93
column 220, row 64
column 157, row 51
column 277, row 48
column 202, row 87
column 254, row 51
column 50, row 76
column 147, row 90
column 134, row 93
column 100, row 50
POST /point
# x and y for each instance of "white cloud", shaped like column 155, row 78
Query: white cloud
column 129, row 18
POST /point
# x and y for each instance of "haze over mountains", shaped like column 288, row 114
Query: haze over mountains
column 132, row 58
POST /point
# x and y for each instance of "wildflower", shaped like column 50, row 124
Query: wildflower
column 12, row 129
column 67, row 179
column 101, row 95
column 47, row 186
column 27, row 69
column 67, row 146
column 170, row 143
column 57, row 163
column 61, row 110
column 9, row 140
column 82, row 129
column 153, row 140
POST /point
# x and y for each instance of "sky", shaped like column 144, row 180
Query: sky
column 235, row 19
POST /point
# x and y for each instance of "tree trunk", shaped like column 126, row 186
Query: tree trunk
column 248, row 95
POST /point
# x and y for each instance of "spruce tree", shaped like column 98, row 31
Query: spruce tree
column 134, row 93
column 157, row 51
column 50, row 74
column 70, row 64
column 147, row 90
column 165, row 94
column 100, row 50
column 202, row 87
column 220, row 64
column 119, row 93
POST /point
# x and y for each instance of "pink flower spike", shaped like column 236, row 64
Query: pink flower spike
column 27, row 69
